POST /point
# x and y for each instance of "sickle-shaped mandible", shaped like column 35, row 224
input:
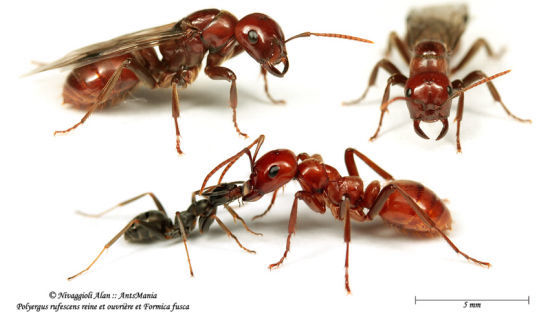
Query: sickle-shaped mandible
column 445, row 123
column 274, row 71
column 418, row 130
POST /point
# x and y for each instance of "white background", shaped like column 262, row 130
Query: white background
column 496, row 187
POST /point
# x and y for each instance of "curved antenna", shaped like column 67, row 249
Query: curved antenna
column 482, row 81
column 385, row 105
column 231, row 160
column 348, row 37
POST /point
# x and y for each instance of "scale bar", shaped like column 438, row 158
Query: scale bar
column 528, row 300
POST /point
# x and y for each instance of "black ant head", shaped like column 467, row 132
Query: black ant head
column 224, row 193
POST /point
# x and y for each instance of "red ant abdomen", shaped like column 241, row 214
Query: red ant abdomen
column 84, row 84
column 398, row 213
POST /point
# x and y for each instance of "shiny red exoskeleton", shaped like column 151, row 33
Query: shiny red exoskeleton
column 432, row 37
column 106, row 72
column 406, row 205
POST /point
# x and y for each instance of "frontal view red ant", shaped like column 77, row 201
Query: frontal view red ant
column 104, row 73
column 406, row 205
column 432, row 36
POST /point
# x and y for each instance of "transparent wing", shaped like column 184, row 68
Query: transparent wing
column 120, row 45
column 444, row 23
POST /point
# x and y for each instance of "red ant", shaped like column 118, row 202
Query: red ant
column 106, row 72
column 406, row 205
column 155, row 225
column 432, row 37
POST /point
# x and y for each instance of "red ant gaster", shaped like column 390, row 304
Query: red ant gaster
column 406, row 205
column 106, row 72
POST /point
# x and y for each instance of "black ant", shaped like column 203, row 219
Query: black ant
column 155, row 225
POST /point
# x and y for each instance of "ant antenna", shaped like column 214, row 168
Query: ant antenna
column 385, row 105
column 307, row 34
column 482, row 81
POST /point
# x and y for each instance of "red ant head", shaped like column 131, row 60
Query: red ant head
column 428, row 95
column 264, row 40
column 269, row 173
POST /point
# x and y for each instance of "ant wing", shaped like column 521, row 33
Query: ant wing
column 444, row 23
column 120, row 45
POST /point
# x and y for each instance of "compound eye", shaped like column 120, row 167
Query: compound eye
column 253, row 36
column 273, row 171
column 408, row 92
column 449, row 90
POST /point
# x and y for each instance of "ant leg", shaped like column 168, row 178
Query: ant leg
column 352, row 167
column 476, row 75
column 394, row 187
column 109, row 244
column 386, row 65
column 231, row 160
column 236, row 216
column 268, row 207
column 183, row 75
column 479, row 43
column 102, row 98
column 226, row 229
column 398, row 79
column 176, row 114
column 124, row 203
column 345, row 205
column 223, row 73
column 266, row 88
column 395, row 41
column 183, row 78
column 313, row 203
column 457, row 84
column 184, row 239
column 144, row 76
